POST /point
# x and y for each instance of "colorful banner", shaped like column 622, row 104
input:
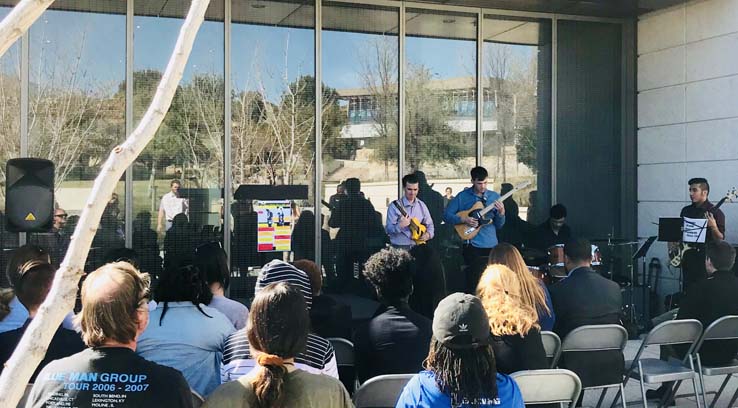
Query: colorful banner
column 274, row 226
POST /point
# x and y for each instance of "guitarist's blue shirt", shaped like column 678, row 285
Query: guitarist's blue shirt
column 487, row 236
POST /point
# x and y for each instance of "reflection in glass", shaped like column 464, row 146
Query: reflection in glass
column 9, row 136
column 188, row 147
column 360, row 118
column 273, row 111
column 516, row 127
column 77, row 114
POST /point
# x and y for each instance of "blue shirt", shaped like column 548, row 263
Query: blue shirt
column 19, row 314
column 487, row 236
column 188, row 341
column 423, row 392
column 547, row 320
column 401, row 236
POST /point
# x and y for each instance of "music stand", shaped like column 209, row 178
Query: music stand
column 641, row 253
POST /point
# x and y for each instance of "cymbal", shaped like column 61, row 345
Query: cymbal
column 611, row 239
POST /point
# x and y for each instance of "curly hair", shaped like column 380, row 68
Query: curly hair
column 531, row 289
column 390, row 271
column 499, row 289
column 468, row 376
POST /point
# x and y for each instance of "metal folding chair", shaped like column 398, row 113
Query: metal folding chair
column 656, row 371
column 598, row 338
column 724, row 328
column 552, row 346
column 381, row 391
column 346, row 361
column 555, row 386
column 197, row 399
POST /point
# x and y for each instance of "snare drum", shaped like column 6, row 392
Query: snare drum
column 556, row 260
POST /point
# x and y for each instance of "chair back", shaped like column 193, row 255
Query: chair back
column 724, row 328
column 344, row 351
column 596, row 338
column 197, row 399
column 552, row 346
column 674, row 332
column 554, row 386
column 381, row 391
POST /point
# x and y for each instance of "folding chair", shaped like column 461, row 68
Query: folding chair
column 655, row 371
column 598, row 338
column 197, row 399
column 381, row 391
column 552, row 346
column 346, row 362
column 724, row 328
column 556, row 386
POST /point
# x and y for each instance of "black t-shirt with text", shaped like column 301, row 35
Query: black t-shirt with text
column 113, row 377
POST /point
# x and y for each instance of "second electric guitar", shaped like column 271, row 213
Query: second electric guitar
column 478, row 212
column 416, row 228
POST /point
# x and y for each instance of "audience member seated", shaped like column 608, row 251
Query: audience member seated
column 517, row 340
column 278, row 332
column 328, row 318
column 533, row 292
column 114, row 314
column 34, row 285
column 184, row 333
column 211, row 259
column 460, row 368
column 179, row 240
column 317, row 357
column 13, row 314
column 584, row 297
column 145, row 243
column 429, row 281
column 707, row 301
column 396, row 339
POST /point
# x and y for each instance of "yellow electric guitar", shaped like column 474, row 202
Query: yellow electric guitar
column 478, row 212
column 676, row 252
column 417, row 230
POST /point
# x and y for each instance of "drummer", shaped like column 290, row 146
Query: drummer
column 553, row 231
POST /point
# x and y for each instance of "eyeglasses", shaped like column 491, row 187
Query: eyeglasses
column 60, row 215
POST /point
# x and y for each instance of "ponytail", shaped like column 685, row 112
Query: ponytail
column 269, row 381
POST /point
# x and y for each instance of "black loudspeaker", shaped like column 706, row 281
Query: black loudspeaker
column 29, row 195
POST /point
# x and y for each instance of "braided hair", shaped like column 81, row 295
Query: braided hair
column 468, row 376
column 182, row 281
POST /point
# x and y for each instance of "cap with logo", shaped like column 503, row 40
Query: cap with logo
column 460, row 322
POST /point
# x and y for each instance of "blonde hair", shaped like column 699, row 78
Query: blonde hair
column 531, row 289
column 500, row 291
column 112, row 315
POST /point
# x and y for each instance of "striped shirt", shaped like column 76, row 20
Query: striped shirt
column 318, row 357
column 281, row 271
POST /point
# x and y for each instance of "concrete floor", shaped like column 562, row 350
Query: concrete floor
column 633, row 390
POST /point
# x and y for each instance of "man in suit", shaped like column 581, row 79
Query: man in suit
column 708, row 300
column 585, row 298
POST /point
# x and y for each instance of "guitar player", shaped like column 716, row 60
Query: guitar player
column 693, row 261
column 399, row 226
column 486, row 239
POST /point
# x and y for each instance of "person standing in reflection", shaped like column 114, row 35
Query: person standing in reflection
column 171, row 205
column 54, row 242
column 448, row 197
column 355, row 216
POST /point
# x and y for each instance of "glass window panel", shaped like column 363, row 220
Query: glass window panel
column 273, row 118
column 360, row 118
column 517, row 116
column 9, row 137
column 77, row 114
column 188, row 146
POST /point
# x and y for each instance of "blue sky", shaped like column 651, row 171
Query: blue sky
column 258, row 52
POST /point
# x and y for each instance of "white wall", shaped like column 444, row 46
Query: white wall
column 687, row 112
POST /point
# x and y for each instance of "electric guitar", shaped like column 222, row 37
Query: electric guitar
column 676, row 254
column 416, row 228
column 478, row 212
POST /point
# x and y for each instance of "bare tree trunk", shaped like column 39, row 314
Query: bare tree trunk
column 32, row 348
column 19, row 20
